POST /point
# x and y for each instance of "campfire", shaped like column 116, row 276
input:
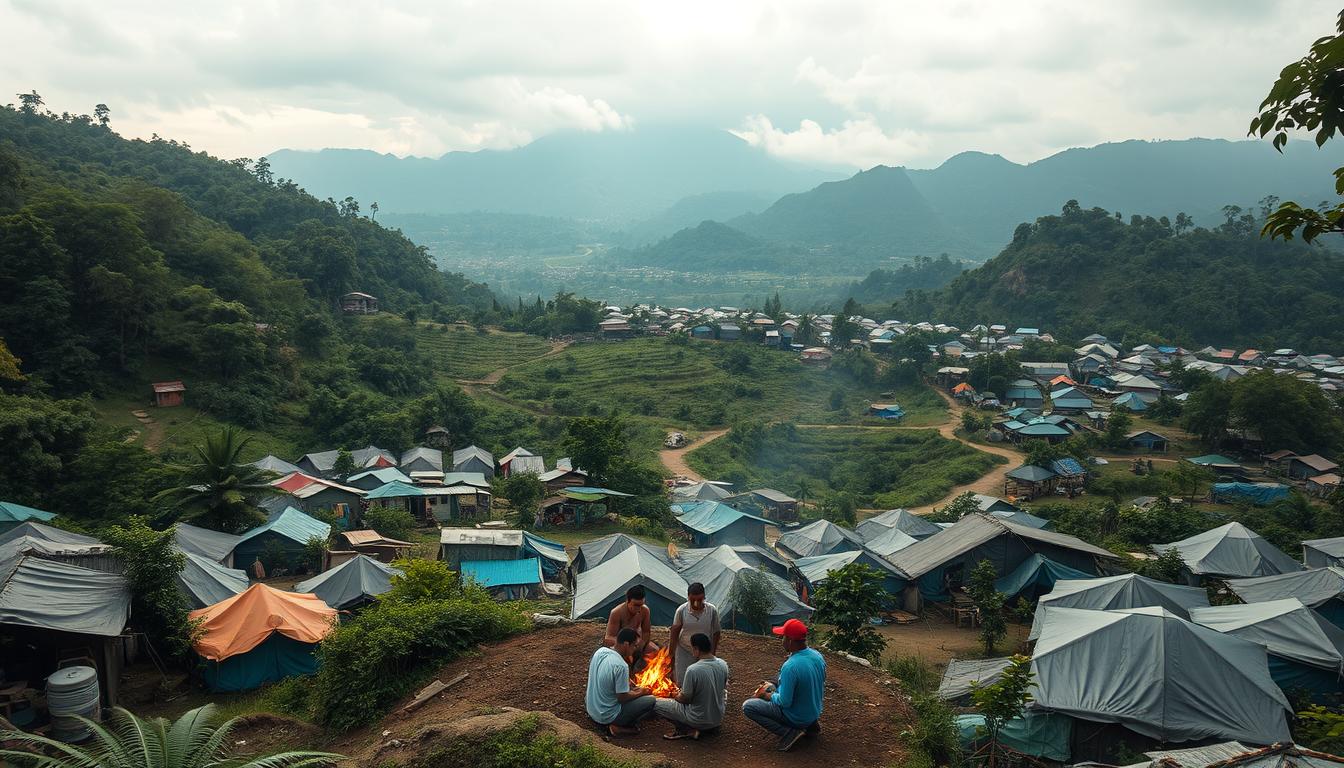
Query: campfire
column 657, row 675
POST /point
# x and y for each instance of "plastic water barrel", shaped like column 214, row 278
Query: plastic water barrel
column 72, row 692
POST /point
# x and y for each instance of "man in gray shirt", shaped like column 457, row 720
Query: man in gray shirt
column 704, row 693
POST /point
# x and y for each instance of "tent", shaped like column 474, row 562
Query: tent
column 757, row 557
column 1231, row 550
column 506, row 579
column 1319, row 553
column 903, row 520
column 48, row 594
column 351, row 584
column 963, row 675
column 721, row 569
column 1306, row 652
column 286, row 533
column 205, row 582
column 212, row 545
column 1023, row 518
column 1128, row 590
column 596, row 552
column 1036, row 576
column 260, row 636
column 279, row 466
column 554, row 560
column 1039, row 734
column 820, row 538
column 49, row 543
column 1321, row 589
column 711, row 523
column 602, row 587
column 700, row 492
column 815, row 570
column 889, row 543
column 1158, row 675
column 1218, row 463
column 1131, row 401
column 1253, row 493
column 12, row 514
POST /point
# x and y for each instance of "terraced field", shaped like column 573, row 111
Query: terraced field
column 461, row 352
column 702, row 384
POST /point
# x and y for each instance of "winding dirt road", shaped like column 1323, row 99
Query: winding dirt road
column 675, row 458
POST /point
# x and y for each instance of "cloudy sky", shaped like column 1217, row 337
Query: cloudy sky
column 834, row 82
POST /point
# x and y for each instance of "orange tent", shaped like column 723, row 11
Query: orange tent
column 244, row 621
column 1062, row 379
column 962, row 387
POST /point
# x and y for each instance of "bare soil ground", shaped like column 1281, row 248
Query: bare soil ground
column 937, row 640
column 546, row 670
column 674, row 459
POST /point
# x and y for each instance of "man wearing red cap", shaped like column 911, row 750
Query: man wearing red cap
column 794, row 709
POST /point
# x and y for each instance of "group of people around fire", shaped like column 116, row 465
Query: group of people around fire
column 789, row 707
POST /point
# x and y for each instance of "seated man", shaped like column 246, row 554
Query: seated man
column 609, row 699
column 704, row 693
column 795, row 708
column 633, row 614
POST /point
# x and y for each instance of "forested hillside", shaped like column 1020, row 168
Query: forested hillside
column 715, row 247
column 1086, row 271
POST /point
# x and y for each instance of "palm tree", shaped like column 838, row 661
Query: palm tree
column 218, row 489
column 192, row 741
column 802, row 490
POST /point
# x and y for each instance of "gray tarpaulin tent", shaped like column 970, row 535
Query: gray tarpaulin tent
column 900, row 519
column 206, row 582
column 598, row 551
column 977, row 537
column 755, row 555
column 820, row 538
column 815, row 570
column 962, row 675
column 358, row 580
column 1305, row 650
column 1115, row 592
column 1319, row 553
column 1158, row 675
column 1321, row 589
column 55, row 544
column 46, row 594
column 210, row 544
column 1036, row 576
column 889, row 542
column 1231, row 551
column 719, row 571
column 700, row 492
column 601, row 588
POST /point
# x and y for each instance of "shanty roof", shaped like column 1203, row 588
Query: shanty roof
column 603, row 583
column 325, row 461
column 476, row 479
column 820, row 538
column 816, row 569
column 963, row 675
column 545, row 549
column 770, row 494
column 1316, row 462
column 1214, row 460
column 521, row 464
column 293, row 525
column 489, row 537
column 433, row 455
column 719, row 571
column 244, row 621
column 213, row 545
column 462, row 455
column 515, row 453
column 1031, row 473
column 709, row 517
column 399, row 490
column 169, row 386
column 901, row 519
column 1128, row 590
column 42, row 539
column 356, row 580
column 503, row 573
column 47, row 594
column 1287, row 628
column 889, row 542
column 1157, row 674
column 1313, row 587
column 701, row 492
column 369, row 538
column 972, row 531
column 276, row 464
column 205, row 582
column 593, row 553
column 18, row 513
column 383, row 475
column 1334, row 547
column 1231, row 550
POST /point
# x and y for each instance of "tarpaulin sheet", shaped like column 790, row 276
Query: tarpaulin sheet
column 52, row 595
column 206, row 582
column 1255, row 493
column 355, row 581
column 244, row 621
column 1036, row 576
column 1231, row 550
column 1040, row 734
column 1128, row 590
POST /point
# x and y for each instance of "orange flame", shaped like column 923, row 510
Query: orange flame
column 657, row 675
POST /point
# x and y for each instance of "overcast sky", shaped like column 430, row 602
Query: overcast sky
column 835, row 82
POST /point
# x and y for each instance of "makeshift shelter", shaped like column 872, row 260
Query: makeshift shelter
column 813, row 571
column 1023, row 518
column 1029, row 481
column 458, row 544
column 946, row 559
column 1306, row 652
column 596, row 552
column 474, row 459
column 283, row 538
column 11, row 515
column 260, row 636
column 755, row 555
column 554, row 560
column 820, row 538
column 276, row 465
column 212, row 545
column 356, row 582
column 888, row 543
column 711, row 523
column 721, row 569
column 901, row 519
column 1321, row 589
column 1130, row 401
column 371, row 479
column 1036, row 576
column 1128, row 590
column 700, row 492
column 421, row 459
column 375, row 545
column 506, row 579
column 602, row 587
column 776, row 505
column 963, row 675
column 49, row 543
column 1218, row 463
column 1158, row 675
column 1038, row 734
column 1252, row 493
column 205, row 582
column 308, row 494
column 1230, row 551
column 1319, row 553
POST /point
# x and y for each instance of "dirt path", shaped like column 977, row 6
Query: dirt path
column 990, row 483
column 675, row 458
column 153, row 430
column 492, row 378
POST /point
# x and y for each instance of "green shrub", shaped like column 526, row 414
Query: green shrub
column 392, row 522
column 520, row 746
column 846, row 601
column 933, row 738
column 916, row 675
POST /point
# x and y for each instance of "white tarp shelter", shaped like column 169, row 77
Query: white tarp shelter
column 1231, row 551
column 1116, row 592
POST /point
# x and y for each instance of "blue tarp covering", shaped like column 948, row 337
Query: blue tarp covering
column 1035, row 577
column 1040, row 734
column 277, row 658
column 554, row 560
column 503, row 573
column 1255, row 493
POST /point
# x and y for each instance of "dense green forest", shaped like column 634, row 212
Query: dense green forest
column 923, row 273
column 715, row 247
column 1088, row 271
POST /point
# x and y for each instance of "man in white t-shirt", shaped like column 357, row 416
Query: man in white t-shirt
column 609, row 699
column 695, row 616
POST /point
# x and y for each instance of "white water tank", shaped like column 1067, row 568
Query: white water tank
column 72, row 692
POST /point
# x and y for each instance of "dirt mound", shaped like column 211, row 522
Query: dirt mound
column 546, row 671
column 263, row 734
column 428, row 745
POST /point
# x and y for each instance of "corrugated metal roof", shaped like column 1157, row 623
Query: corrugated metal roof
column 710, row 517
column 502, row 573
column 972, row 531
column 481, row 537
column 293, row 524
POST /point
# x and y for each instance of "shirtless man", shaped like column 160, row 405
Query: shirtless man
column 632, row 614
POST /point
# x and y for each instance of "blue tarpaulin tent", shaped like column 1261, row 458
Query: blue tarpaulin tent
column 12, row 514
column 510, row 579
column 1036, row 576
column 554, row 561
column 1255, row 493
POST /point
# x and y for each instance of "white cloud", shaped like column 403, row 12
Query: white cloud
column 860, row 142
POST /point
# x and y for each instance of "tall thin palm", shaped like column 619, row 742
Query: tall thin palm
column 803, row 490
column 218, row 489
column 194, row 740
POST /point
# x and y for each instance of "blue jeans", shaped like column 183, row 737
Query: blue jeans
column 769, row 716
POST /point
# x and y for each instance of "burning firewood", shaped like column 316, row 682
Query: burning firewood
column 657, row 676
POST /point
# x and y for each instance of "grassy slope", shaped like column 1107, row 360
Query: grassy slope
column 461, row 352
column 689, row 386
column 883, row 468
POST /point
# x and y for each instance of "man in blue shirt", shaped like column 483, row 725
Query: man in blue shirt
column 794, row 709
column 609, row 699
